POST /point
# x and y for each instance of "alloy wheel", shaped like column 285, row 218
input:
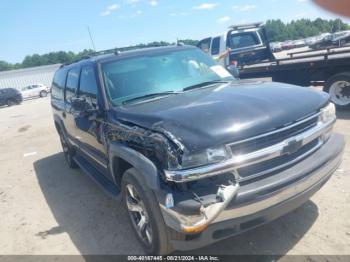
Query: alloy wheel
column 138, row 215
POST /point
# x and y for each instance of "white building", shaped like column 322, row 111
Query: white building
column 23, row 77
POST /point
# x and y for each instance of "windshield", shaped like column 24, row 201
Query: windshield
column 169, row 71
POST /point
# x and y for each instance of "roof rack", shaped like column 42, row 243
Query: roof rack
column 116, row 51
column 246, row 26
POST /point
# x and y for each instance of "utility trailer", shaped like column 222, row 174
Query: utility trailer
column 329, row 68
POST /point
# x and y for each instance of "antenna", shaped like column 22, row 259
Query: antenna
column 92, row 41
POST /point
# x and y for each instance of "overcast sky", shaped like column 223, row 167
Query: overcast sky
column 41, row 26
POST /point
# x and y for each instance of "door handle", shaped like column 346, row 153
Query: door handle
column 64, row 114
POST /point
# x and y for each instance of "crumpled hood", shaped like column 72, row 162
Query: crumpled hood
column 224, row 113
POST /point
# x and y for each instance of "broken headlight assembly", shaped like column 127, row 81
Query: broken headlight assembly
column 206, row 157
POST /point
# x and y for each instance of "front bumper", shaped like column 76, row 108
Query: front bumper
column 264, row 200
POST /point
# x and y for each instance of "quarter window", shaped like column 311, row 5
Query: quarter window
column 72, row 83
column 58, row 84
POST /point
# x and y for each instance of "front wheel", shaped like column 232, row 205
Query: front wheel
column 338, row 88
column 144, row 213
column 10, row 102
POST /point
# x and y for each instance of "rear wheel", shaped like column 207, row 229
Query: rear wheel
column 43, row 93
column 338, row 88
column 144, row 213
column 68, row 152
column 10, row 102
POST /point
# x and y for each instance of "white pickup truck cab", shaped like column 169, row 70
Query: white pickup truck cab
column 248, row 44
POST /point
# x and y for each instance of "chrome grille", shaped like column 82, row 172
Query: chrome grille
column 266, row 168
column 253, row 144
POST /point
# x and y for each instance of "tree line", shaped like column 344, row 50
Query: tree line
column 277, row 31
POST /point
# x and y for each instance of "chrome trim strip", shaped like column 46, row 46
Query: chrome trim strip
column 297, row 159
column 277, row 130
column 180, row 176
column 93, row 157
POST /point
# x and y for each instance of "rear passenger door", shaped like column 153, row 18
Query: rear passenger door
column 70, row 93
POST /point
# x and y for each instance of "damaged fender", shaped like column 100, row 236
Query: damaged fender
column 137, row 160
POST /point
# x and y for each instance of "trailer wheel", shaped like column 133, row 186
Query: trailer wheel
column 338, row 88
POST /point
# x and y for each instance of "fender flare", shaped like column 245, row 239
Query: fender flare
column 145, row 166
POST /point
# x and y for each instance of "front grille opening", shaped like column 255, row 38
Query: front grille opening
column 272, row 139
column 261, row 170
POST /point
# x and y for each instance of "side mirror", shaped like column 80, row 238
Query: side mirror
column 79, row 104
column 233, row 71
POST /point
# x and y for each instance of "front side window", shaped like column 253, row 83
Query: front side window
column 72, row 83
column 168, row 71
column 243, row 40
column 88, row 85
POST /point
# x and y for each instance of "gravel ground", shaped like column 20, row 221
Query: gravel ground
column 47, row 208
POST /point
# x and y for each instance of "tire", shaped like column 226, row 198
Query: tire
column 10, row 102
column 43, row 93
column 154, row 222
column 68, row 152
column 338, row 88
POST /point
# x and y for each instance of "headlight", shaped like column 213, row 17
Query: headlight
column 209, row 156
column 328, row 113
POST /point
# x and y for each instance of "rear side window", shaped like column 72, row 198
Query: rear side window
column 205, row 45
column 215, row 46
column 243, row 40
column 58, row 83
column 88, row 85
column 72, row 83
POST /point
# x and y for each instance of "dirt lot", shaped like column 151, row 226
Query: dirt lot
column 46, row 208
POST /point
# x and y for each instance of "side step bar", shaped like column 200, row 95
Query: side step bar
column 97, row 176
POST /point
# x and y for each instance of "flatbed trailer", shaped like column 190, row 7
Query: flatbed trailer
column 329, row 68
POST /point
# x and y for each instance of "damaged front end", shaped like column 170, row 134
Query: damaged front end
column 187, row 206
column 198, row 205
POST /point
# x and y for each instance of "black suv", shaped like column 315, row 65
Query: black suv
column 195, row 155
column 10, row 97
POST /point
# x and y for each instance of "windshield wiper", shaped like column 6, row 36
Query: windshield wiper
column 204, row 84
column 150, row 96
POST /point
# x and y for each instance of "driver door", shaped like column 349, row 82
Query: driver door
column 87, row 123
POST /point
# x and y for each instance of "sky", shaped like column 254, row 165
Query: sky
column 42, row 26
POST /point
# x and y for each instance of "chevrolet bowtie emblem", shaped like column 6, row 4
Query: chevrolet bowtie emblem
column 292, row 147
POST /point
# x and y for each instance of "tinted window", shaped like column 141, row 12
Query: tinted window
column 242, row 40
column 205, row 45
column 72, row 83
column 215, row 48
column 58, row 83
column 88, row 85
